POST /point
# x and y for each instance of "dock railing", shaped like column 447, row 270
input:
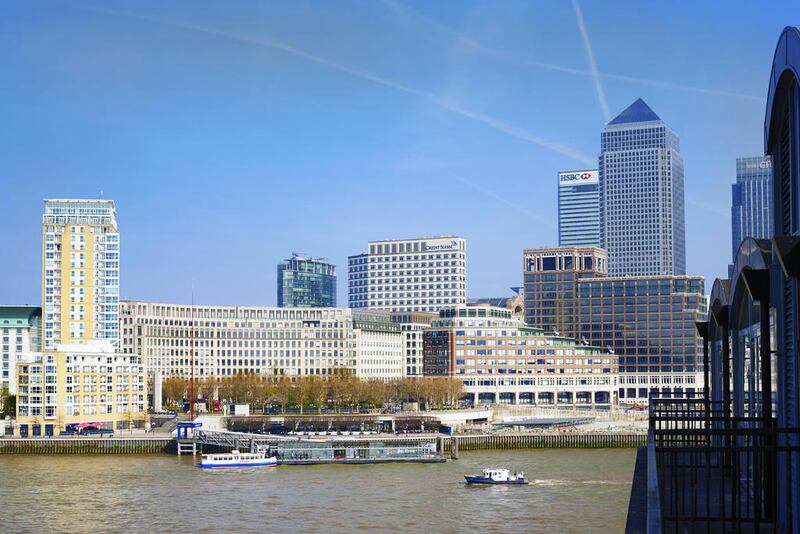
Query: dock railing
column 714, row 472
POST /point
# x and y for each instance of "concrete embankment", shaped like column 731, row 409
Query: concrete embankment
column 92, row 445
column 566, row 440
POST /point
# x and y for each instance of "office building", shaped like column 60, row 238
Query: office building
column 423, row 274
column 79, row 383
column 551, row 276
column 379, row 346
column 230, row 340
column 579, row 208
column 649, row 323
column 751, row 201
column 20, row 332
column 500, row 360
column 306, row 283
column 514, row 302
column 642, row 223
column 413, row 325
column 80, row 271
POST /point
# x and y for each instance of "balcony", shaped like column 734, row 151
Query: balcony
column 705, row 471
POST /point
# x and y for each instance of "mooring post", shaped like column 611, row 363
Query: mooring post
column 453, row 448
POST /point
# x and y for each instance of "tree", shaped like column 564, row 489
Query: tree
column 8, row 405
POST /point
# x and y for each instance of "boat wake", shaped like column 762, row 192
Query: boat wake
column 558, row 482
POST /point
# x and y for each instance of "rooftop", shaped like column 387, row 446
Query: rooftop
column 639, row 111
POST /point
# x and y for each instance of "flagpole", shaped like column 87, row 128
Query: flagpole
column 191, row 376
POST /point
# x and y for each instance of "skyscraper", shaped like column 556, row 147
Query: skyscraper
column 423, row 274
column 642, row 223
column 579, row 208
column 751, row 206
column 80, row 271
column 306, row 283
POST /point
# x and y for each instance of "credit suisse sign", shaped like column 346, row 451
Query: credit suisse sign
column 578, row 177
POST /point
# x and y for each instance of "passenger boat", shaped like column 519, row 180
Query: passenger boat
column 496, row 476
column 237, row 459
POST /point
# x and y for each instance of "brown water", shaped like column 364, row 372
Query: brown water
column 573, row 491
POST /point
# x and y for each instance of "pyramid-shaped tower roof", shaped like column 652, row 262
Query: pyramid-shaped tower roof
column 639, row 111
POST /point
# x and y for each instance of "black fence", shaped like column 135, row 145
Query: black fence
column 717, row 472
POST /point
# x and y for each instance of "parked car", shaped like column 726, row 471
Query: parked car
column 91, row 431
column 68, row 432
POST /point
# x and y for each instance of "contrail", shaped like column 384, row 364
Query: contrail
column 398, row 7
column 708, row 207
column 598, row 86
column 505, row 201
column 487, row 120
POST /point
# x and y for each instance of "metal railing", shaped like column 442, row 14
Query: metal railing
column 717, row 472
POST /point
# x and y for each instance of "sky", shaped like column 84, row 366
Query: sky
column 231, row 134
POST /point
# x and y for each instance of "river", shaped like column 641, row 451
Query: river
column 573, row 490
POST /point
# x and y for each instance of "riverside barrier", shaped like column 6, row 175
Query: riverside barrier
column 546, row 441
column 78, row 445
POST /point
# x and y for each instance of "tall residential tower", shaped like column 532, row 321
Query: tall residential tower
column 80, row 274
column 642, row 223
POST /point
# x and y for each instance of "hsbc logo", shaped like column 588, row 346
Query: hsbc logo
column 578, row 176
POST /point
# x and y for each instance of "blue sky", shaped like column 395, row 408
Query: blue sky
column 231, row 134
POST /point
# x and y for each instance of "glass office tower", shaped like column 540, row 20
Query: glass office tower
column 751, row 206
column 642, row 223
column 579, row 208
column 306, row 283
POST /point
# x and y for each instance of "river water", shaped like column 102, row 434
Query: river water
column 573, row 490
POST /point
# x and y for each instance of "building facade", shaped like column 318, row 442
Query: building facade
column 79, row 383
column 649, row 323
column 20, row 333
column 306, row 283
column 229, row 340
column 751, row 201
column 80, row 271
column 501, row 361
column 379, row 346
column 551, row 276
column 642, row 223
column 423, row 274
column 579, row 208
column 413, row 326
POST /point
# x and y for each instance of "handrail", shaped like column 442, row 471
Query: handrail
column 653, row 495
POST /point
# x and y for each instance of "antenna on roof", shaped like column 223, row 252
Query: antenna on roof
column 609, row 349
column 584, row 341
column 101, row 193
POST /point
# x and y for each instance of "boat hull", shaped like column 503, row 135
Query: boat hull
column 489, row 481
column 266, row 463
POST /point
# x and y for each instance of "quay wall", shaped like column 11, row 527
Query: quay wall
column 546, row 441
column 76, row 445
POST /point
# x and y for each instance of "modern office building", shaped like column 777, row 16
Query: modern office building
column 229, row 340
column 306, row 283
column 423, row 274
column 79, row 383
column 579, row 208
column 80, row 271
column 379, row 346
column 751, row 201
column 551, row 276
column 502, row 361
column 413, row 325
column 649, row 323
column 20, row 332
column 642, row 224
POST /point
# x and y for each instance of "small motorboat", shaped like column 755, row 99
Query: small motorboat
column 496, row 476
column 237, row 459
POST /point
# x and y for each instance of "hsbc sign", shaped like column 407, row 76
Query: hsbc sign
column 578, row 177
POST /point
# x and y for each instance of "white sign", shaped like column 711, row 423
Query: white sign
column 579, row 177
column 441, row 245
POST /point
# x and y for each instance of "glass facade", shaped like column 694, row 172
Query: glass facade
column 551, row 278
column 649, row 323
column 751, row 201
column 579, row 208
column 642, row 224
column 306, row 283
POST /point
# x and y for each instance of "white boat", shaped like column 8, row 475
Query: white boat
column 237, row 459
column 496, row 476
